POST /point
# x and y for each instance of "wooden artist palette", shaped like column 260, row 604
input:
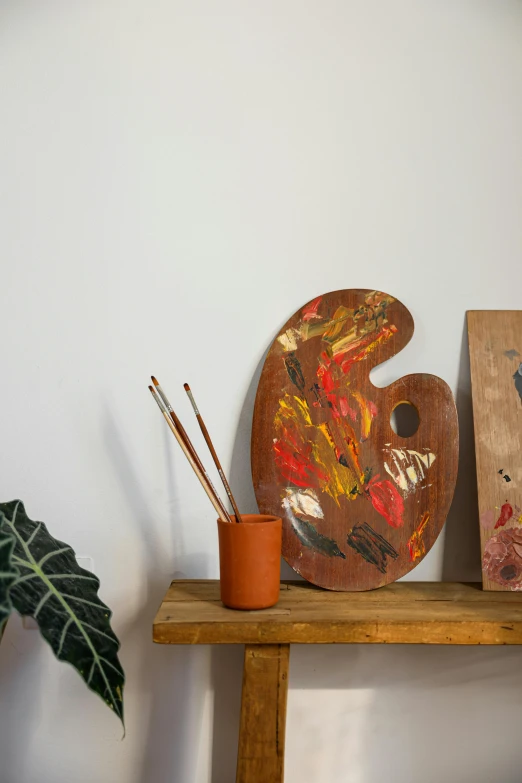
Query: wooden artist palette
column 361, row 506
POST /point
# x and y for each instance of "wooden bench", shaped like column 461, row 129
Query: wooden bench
column 400, row 613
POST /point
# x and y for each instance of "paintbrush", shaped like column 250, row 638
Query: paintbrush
column 194, row 460
column 182, row 432
column 213, row 452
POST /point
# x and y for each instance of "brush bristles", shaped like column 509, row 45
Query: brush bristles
column 156, row 397
column 192, row 401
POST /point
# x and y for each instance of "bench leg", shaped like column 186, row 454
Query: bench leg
column 261, row 753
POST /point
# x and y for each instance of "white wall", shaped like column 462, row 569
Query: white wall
column 176, row 179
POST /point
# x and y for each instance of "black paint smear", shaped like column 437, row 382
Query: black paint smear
column 310, row 537
column 518, row 380
column 371, row 546
column 501, row 471
column 506, row 477
column 293, row 368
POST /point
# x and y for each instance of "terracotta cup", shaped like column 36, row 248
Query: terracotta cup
column 250, row 561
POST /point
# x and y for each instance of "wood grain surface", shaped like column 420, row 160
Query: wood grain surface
column 361, row 505
column 261, row 752
column 400, row 613
column 495, row 348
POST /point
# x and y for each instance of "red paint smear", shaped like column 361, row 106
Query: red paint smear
column 311, row 311
column 372, row 408
column 506, row 512
column 387, row 501
column 290, row 437
column 295, row 467
column 326, row 378
column 346, row 410
column 332, row 399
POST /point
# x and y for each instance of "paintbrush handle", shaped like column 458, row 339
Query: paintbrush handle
column 212, row 450
column 219, row 468
column 190, row 450
column 181, row 429
column 204, row 480
column 192, row 457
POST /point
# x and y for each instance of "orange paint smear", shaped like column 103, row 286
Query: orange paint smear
column 416, row 545
column 351, row 448
column 338, row 322
column 368, row 413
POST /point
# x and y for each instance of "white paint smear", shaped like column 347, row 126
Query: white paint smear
column 303, row 501
column 408, row 467
column 289, row 339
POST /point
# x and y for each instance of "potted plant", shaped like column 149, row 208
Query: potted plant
column 40, row 578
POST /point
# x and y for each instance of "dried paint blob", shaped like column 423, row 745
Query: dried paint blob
column 506, row 512
column 502, row 561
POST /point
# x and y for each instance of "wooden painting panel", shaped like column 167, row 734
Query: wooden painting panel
column 495, row 349
column 361, row 505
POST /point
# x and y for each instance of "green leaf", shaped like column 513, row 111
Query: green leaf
column 8, row 574
column 63, row 599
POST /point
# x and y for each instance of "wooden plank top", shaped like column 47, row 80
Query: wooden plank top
column 400, row 613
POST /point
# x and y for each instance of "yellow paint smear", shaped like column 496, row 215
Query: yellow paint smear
column 328, row 329
column 316, row 444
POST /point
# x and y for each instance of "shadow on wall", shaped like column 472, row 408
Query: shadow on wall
column 461, row 561
column 227, row 675
column 165, row 678
column 20, row 711
column 240, row 475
